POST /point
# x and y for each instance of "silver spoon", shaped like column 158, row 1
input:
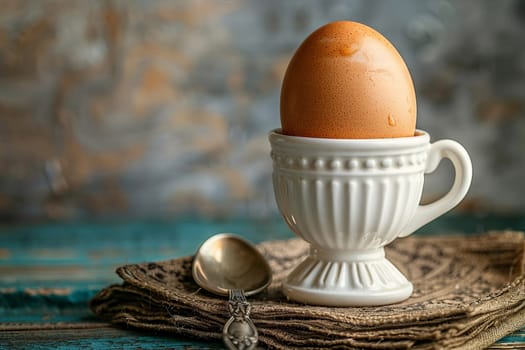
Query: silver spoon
column 226, row 264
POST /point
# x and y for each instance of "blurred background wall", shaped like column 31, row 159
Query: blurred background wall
column 162, row 108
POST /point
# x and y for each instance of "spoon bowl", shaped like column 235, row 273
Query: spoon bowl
column 226, row 262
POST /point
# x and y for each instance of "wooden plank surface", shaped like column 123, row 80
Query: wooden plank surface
column 96, row 337
column 48, row 273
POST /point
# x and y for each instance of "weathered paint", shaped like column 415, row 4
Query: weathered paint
column 163, row 107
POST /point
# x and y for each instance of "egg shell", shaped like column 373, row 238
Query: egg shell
column 346, row 80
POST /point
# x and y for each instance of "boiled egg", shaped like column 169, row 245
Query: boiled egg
column 346, row 80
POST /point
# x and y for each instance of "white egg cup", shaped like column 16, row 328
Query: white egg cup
column 349, row 198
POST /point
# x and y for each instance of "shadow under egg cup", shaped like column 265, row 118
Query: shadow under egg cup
column 349, row 198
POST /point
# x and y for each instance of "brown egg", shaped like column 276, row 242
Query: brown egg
column 347, row 81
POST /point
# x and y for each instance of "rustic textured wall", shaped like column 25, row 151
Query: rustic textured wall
column 162, row 107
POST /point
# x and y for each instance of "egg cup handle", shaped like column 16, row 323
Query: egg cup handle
column 463, row 169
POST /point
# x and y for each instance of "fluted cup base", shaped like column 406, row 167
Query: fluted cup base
column 347, row 278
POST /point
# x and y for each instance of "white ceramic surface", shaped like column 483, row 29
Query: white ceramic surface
column 350, row 198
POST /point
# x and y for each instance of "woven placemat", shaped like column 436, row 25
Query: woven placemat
column 469, row 291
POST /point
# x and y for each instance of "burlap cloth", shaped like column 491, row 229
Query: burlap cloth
column 468, row 292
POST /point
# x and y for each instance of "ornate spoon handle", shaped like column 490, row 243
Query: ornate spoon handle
column 239, row 333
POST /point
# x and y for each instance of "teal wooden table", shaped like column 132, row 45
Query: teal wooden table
column 48, row 272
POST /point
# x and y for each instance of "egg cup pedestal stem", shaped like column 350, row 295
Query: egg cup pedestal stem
column 334, row 277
